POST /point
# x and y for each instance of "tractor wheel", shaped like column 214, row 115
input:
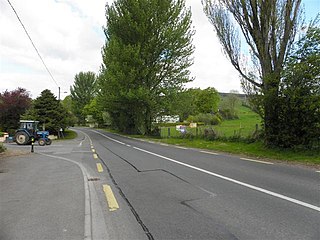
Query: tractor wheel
column 21, row 138
column 42, row 142
column 48, row 141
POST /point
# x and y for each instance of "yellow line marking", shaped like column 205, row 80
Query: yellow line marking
column 92, row 146
column 112, row 202
column 95, row 156
column 251, row 160
column 93, row 150
column 99, row 167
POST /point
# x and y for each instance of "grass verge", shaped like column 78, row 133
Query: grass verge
column 2, row 148
column 69, row 135
column 256, row 149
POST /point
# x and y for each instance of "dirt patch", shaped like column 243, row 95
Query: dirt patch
column 13, row 153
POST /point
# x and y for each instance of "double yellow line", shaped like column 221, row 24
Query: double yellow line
column 111, row 199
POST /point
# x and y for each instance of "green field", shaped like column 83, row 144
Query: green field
column 244, row 126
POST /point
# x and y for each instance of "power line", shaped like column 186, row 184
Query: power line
column 34, row 46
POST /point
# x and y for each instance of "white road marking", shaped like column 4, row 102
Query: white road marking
column 212, row 153
column 184, row 148
column 304, row 204
column 163, row 144
column 318, row 171
column 87, row 207
column 108, row 137
column 252, row 160
column 236, row 181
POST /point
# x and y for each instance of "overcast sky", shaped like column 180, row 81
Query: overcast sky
column 69, row 37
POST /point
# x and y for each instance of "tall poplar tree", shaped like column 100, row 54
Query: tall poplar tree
column 146, row 58
column 82, row 92
column 269, row 28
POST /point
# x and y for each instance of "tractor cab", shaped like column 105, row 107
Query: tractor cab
column 30, row 126
column 28, row 132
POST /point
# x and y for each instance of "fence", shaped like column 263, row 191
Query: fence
column 167, row 132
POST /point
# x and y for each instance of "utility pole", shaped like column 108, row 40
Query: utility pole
column 59, row 93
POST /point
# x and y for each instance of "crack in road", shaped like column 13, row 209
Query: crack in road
column 184, row 203
column 139, row 220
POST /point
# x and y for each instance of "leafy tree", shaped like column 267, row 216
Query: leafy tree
column 93, row 109
column 82, row 92
column 207, row 100
column 71, row 119
column 194, row 101
column 185, row 106
column 49, row 112
column 300, row 92
column 12, row 105
column 145, row 60
column 229, row 105
column 269, row 28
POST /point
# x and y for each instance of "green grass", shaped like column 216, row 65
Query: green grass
column 244, row 126
column 69, row 135
column 2, row 148
column 256, row 149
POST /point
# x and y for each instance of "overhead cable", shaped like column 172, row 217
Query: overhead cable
column 34, row 46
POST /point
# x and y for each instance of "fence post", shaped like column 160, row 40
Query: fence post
column 168, row 132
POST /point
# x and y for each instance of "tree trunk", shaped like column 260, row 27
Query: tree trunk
column 148, row 121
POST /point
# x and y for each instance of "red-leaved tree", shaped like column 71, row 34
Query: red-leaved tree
column 12, row 105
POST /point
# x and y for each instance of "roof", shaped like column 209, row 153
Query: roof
column 28, row 121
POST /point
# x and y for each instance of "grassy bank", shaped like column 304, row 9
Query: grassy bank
column 69, row 134
column 244, row 126
column 255, row 150
column 2, row 148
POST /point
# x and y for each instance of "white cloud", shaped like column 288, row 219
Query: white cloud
column 66, row 38
column 211, row 67
column 69, row 37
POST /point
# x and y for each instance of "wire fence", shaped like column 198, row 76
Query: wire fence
column 168, row 132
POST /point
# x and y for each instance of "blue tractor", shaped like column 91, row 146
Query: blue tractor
column 28, row 133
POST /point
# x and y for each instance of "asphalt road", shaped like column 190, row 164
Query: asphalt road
column 104, row 186
column 181, row 193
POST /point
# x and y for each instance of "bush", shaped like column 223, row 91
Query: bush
column 169, row 124
column 156, row 131
column 206, row 118
column 227, row 114
column 209, row 134
column 187, row 135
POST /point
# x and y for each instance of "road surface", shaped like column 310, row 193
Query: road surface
column 134, row 189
